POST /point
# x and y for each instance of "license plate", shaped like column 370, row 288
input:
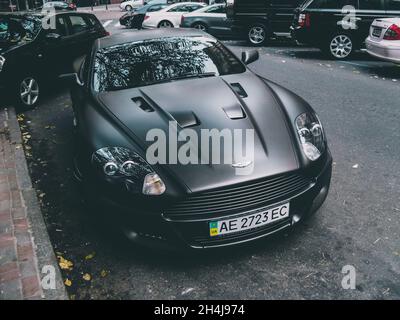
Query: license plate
column 251, row 221
column 376, row 32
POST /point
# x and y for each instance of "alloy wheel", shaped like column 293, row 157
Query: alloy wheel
column 165, row 24
column 257, row 35
column 200, row 26
column 341, row 46
column 29, row 91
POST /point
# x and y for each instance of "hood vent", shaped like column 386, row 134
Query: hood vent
column 186, row 119
column 234, row 112
column 239, row 90
column 142, row 104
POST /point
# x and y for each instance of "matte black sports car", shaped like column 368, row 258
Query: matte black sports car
column 133, row 85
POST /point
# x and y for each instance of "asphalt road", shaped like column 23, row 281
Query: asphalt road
column 358, row 103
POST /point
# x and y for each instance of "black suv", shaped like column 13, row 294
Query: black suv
column 338, row 27
column 35, row 49
column 258, row 20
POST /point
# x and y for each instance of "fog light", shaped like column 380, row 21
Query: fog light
column 153, row 185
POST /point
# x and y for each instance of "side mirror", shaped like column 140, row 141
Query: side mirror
column 250, row 56
column 71, row 79
column 53, row 36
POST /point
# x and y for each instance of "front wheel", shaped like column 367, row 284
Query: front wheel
column 165, row 24
column 257, row 34
column 27, row 92
column 200, row 26
column 340, row 46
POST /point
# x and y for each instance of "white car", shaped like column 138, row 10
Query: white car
column 131, row 4
column 384, row 39
column 170, row 17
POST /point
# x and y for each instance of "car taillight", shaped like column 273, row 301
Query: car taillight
column 108, row 33
column 146, row 17
column 393, row 33
column 304, row 20
column 182, row 19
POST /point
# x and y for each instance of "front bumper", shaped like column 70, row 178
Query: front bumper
column 385, row 50
column 154, row 226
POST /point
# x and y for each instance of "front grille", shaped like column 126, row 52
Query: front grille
column 239, row 198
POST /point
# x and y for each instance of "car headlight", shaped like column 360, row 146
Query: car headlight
column 2, row 61
column 123, row 166
column 311, row 135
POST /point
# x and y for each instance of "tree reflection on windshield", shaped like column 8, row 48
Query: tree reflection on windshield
column 153, row 61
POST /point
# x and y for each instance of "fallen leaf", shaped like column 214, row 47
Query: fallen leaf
column 103, row 273
column 64, row 263
column 90, row 256
column 87, row 277
column 68, row 282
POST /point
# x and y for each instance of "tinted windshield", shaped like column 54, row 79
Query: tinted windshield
column 153, row 61
column 19, row 29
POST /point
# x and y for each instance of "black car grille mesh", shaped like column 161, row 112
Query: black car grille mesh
column 241, row 197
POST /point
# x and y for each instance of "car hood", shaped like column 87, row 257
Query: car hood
column 242, row 101
column 6, row 47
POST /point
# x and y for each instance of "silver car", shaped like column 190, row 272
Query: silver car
column 384, row 39
column 211, row 19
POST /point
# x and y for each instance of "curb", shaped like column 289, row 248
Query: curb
column 43, row 248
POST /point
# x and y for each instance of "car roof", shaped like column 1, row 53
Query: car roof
column 125, row 37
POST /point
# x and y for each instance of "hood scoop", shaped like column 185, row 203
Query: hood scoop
column 185, row 119
column 239, row 90
column 142, row 104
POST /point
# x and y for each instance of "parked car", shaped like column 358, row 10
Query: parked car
column 259, row 20
column 337, row 31
column 118, row 96
column 170, row 17
column 134, row 19
column 131, row 4
column 384, row 40
column 211, row 19
column 59, row 5
column 31, row 55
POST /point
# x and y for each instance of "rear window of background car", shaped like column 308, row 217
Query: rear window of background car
column 371, row 5
column 332, row 4
column 78, row 24
column 392, row 5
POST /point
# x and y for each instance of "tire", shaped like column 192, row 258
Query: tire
column 257, row 34
column 165, row 24
column 340, row 46
column 27, row 92
column 200, row 26
column 128, row 8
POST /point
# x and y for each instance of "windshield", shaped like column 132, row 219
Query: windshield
column 19, row 29
column 137, row 64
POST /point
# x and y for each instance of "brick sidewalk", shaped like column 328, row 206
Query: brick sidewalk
column 19, row 267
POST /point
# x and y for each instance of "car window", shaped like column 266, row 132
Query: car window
column 142, row 63
column 61, row 26
column 181, row 8
column 392, row 5
column 156, row 7
column 193, row 7
column 92, row 21
column 78, row 24
column 371, row 5
column 217, row 9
